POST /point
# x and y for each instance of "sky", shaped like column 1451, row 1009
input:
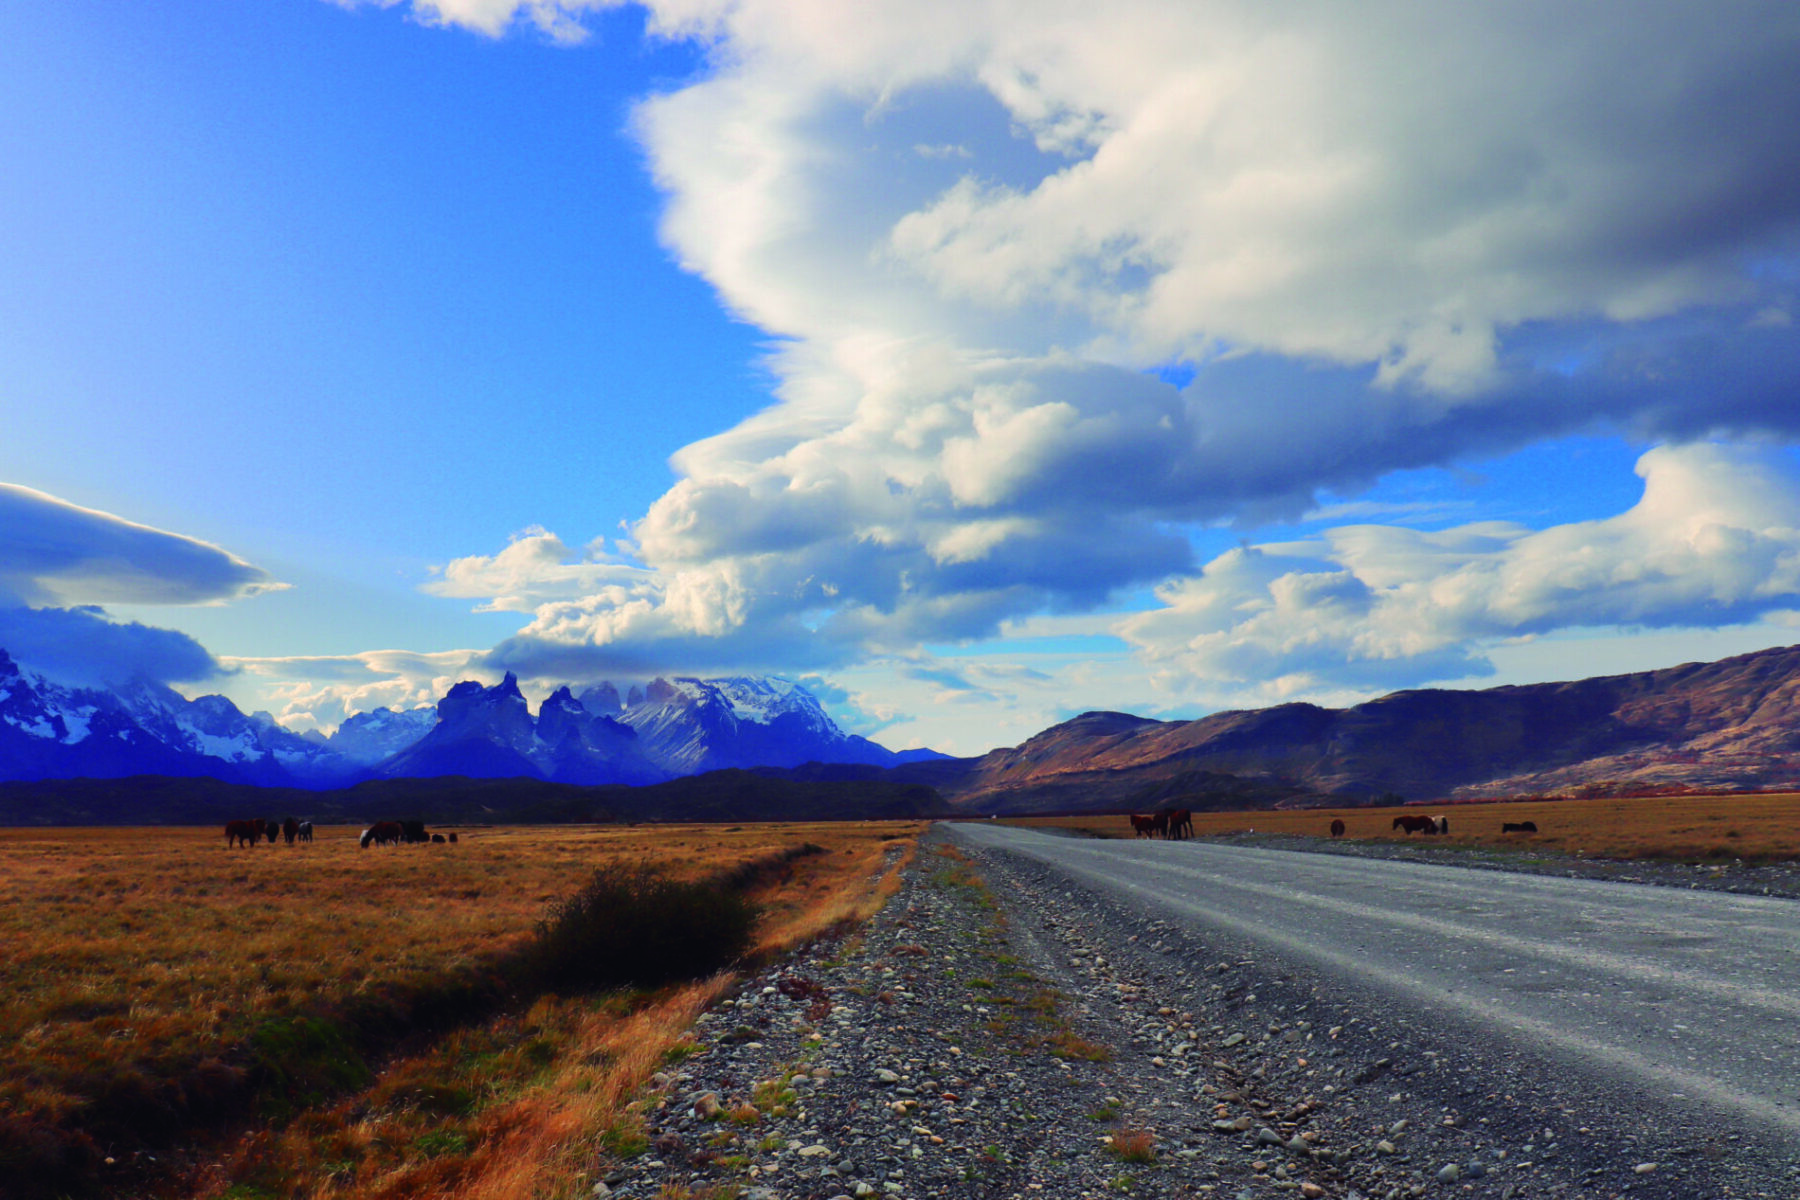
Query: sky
column 976, row 363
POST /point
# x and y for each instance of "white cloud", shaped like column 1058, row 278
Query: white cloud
column 54, row 553
column 560, row 20
column 1715, row 540
column 318, row 692
column 534, row 569
column 1384, row 236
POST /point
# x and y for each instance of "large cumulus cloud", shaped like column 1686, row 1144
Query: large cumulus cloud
column 1054, row 284
column 1714, row 540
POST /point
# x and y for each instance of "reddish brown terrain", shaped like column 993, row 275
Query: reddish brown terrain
column 1722, row 726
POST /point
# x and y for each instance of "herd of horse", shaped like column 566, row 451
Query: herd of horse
column 248, row 833
column 1169, row 823
column 401, row 833
column 1179, row 823
column 382, row 833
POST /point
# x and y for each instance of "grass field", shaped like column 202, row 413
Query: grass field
column 353, row 1004
column 1755, row 828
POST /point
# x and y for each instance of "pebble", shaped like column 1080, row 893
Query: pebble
column 932, row 1074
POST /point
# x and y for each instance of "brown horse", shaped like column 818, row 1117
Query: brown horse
column 1181, row 823
column 1142, row 826
column 249, row 832
column 290, row 830
column 383, row 833
column 1337, row 828
column 1416, row 824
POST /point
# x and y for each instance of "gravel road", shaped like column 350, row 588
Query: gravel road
column 1032, row 1017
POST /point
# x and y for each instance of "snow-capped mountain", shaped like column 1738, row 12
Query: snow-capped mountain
column 51, row 731
column 489, row 733
column 664, row 730
column 694, row 725
column 368, row 737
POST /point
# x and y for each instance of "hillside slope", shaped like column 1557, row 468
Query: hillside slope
column 1727, row 725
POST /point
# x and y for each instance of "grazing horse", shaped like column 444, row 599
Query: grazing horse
column 290, row 829
column 305, row 831
column 437, row 839
column 412, row 832
column 1143, row 826
column 273, row 829
column 382, row 833
column 1416, row 824
column 453, row 838
column 1337, row 828
column 1181, row 823
column 1518, row 827
column 248, row 832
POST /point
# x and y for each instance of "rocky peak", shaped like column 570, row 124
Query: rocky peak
column 603, row 700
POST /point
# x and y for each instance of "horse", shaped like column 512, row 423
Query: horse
column 1142, row 826
column 272, row 827
column 1416, row 824
column 382, row 833
column 290, row 830
column 1518, row 827
column 412, row 832
column 1443, row 825
column 1337, row 828
column 248, row 832
column 1159, row 824
column 305, row 831
column 453, row 837
column 1181, row 823
column 437, row 839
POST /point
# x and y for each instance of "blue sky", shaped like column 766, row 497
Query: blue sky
column 980, row 366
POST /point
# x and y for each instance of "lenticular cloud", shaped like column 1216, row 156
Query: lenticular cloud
column 1052, row 282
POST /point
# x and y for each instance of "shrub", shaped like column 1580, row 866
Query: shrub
column 1134, row 1145
column 633, row 926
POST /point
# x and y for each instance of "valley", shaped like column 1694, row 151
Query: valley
column 361, row 1005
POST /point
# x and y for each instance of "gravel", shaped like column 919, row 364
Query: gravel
column 1722, row 875
column 998, row 1031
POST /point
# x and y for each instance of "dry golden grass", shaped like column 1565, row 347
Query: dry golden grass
column 150, row 954
column 1758, row 828
column 1133, row 1144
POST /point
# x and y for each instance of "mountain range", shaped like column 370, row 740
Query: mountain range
column 667, row 730
column 1731, row 725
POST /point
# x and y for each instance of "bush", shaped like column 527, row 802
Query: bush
column 631, row 926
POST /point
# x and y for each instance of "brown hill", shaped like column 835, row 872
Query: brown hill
column 1727, row 725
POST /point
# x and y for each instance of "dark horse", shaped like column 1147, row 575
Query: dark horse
column 382, row 833
column 305, row 831
column 1518, row 827
column 1181, row 823
column 1337, row 828
column 1416, row 824
column 1143, row 826
column 290, row 830
column 249, row 832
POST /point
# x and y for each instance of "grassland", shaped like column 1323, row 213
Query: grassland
column 347, row 1013
column 1754, row 828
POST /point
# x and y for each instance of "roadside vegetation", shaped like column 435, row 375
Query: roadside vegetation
column 335, row 1022
column 1753, row 828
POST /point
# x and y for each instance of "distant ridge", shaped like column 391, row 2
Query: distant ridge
column 1732, row 725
